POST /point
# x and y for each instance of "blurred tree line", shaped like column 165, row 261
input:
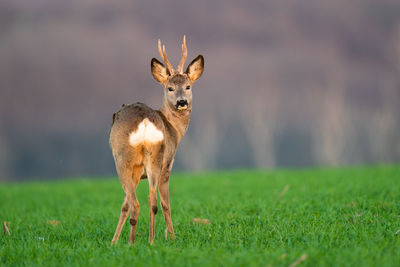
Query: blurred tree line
column 286, row 83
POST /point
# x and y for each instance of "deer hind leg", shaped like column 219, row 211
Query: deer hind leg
column 163, row 188
column 153, row 173
column 130, row 202
column 134, row 206
column 122, row 219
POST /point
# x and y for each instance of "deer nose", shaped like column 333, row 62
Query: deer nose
column 181, row 102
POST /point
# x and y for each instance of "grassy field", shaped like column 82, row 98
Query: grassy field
column 318, row 217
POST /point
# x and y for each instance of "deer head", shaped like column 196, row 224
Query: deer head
column 177, row 84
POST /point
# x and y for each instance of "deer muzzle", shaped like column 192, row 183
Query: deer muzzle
column 181, row 104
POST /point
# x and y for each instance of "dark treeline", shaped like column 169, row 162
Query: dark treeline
column 286, row 83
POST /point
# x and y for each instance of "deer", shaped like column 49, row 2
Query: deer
column 144, row 141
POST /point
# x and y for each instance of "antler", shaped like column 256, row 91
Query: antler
column 184, row 55
column 163, row 56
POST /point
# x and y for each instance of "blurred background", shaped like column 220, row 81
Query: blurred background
column 286, row 83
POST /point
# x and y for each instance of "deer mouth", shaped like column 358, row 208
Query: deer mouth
column 181, row 105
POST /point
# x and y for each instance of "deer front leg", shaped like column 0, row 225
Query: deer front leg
column 163, row 188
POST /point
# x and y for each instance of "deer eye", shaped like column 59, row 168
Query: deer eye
column 170, row 89
column 188, row 87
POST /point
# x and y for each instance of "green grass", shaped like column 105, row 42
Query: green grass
column 342, row 217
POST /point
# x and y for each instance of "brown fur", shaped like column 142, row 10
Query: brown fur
column 152, row 160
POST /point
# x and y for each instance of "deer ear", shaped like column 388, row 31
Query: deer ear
column 195, row 68
column 159, row 71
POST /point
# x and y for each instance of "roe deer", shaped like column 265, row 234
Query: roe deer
column 144, row 141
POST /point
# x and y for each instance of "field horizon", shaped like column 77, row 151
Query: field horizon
column 315, row 216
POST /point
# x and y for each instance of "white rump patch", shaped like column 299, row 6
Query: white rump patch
column 146, row 131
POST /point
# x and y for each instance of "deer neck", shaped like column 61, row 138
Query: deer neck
column 178, row 119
